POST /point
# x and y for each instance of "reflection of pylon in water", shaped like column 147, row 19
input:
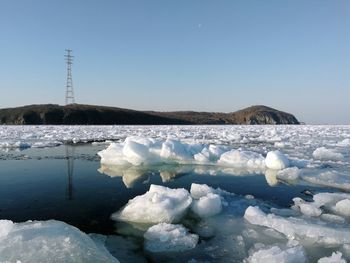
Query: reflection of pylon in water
column 70, row 170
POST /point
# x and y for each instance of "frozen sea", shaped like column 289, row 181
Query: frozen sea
column 251, row 193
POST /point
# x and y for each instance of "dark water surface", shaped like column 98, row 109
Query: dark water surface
column 64, row 183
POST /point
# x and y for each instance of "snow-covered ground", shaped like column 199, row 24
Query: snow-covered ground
column 205, row 224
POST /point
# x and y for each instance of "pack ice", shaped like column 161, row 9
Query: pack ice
column 216, row 225
column 162, row 207
column 147, row 151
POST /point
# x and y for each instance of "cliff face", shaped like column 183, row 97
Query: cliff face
column 263, row 115
column 252, row 115
column 96, row 115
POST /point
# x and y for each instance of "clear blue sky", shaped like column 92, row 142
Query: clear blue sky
column 215, row 55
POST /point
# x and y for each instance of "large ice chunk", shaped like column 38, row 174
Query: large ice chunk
column 338, row 203
column 209, row 154
column 14, row 144
column 344, row 143
column 138, row 151
column 271, row 177
column 175, row 150
column 242, row 159
column 309, row 209
column 159, row 204
column 5, row 227
column 203, row 156
column 165, row 237
column 330, row 178
column 323, row 153
column 298, row 227
column 289, row 174
column 342, row 207
column 135, row 153
column 206, row 202
column 200, row 190
column 207, row 206
column 276, row 160
column 113, row 155
column 48, row 241
column 274, row 254
column 336, row 257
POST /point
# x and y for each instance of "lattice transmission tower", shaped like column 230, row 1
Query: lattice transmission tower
column 69, row 84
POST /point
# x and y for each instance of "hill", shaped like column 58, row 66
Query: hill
column 75, row 114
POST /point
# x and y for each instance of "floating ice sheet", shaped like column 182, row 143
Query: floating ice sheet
column 165, row 237
column 136, row 151
column 159, row 204
column 276, row 160
column 299, row 228
column 274, row 254
column 146, row 151
column 336, row 257
column 294, row 235
column 48, row 241
column 323, row 153
column 206, row 201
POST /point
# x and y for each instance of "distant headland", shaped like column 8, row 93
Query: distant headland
column 79, row 114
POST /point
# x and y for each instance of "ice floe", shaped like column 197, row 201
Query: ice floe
column 299, row 228
column 293, row 253
column 159, row 204
column 48, row 241
column 144, row 151
column 208, row 205
column 307, row 208
column 165, row 237
column 344, row 143
column 342, row 207
column 296, row 234
column 276, row 160
column 336, row 257
column 244, row 159
column 200, row 190
column 289, row 174
column 331, row 178
column 323, row 153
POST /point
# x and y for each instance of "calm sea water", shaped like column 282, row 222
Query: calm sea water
column 64, row 183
